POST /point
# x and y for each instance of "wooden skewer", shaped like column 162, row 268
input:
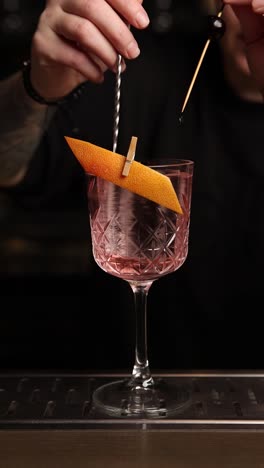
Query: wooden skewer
column 198, row 67
column 130, row 156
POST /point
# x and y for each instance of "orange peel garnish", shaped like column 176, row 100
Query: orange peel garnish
column 141, row 180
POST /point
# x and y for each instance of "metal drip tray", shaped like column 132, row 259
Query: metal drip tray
column 64, row 401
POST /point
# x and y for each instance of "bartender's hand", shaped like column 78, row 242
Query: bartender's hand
column 250, row 14
column 78, row 40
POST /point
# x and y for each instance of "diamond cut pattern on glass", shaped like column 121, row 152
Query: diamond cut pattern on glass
column 131, row 248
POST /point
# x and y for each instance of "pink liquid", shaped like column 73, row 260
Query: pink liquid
column 134, row 238
column 136, row 269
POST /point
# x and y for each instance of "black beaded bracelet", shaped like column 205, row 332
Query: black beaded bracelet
column 74, row 94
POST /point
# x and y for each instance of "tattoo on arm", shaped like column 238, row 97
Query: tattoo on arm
column 23, row 123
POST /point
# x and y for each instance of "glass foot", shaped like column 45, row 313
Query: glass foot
column 120, row 399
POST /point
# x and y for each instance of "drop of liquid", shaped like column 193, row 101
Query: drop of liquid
column 181, row 120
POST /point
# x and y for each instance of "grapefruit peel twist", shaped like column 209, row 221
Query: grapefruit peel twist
column 142, row 180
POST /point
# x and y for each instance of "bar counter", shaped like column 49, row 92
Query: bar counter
column 127, row 449
column 43, row 424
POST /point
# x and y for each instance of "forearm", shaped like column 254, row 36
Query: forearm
column 23, row 123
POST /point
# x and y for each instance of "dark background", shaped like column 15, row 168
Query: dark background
column 46, row 317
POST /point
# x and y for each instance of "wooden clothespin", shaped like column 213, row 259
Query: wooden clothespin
column 130, row 156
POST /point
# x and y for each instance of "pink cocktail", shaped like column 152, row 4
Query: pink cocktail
column 140, row 241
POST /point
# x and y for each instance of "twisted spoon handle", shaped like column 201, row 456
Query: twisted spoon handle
column 117, row 102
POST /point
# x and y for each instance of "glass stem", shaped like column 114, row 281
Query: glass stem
column 141, row 375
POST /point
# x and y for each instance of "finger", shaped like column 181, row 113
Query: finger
column 55, row 50
column 252, row 24
column 108, row 22
column 87, row 36
column 257, row 6
column 238, row 2
column 103, row 67
column 132, row 11
column 100, row 64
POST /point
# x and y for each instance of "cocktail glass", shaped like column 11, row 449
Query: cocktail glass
column 139, row 241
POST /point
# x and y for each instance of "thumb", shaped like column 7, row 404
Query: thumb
column 252, row 24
